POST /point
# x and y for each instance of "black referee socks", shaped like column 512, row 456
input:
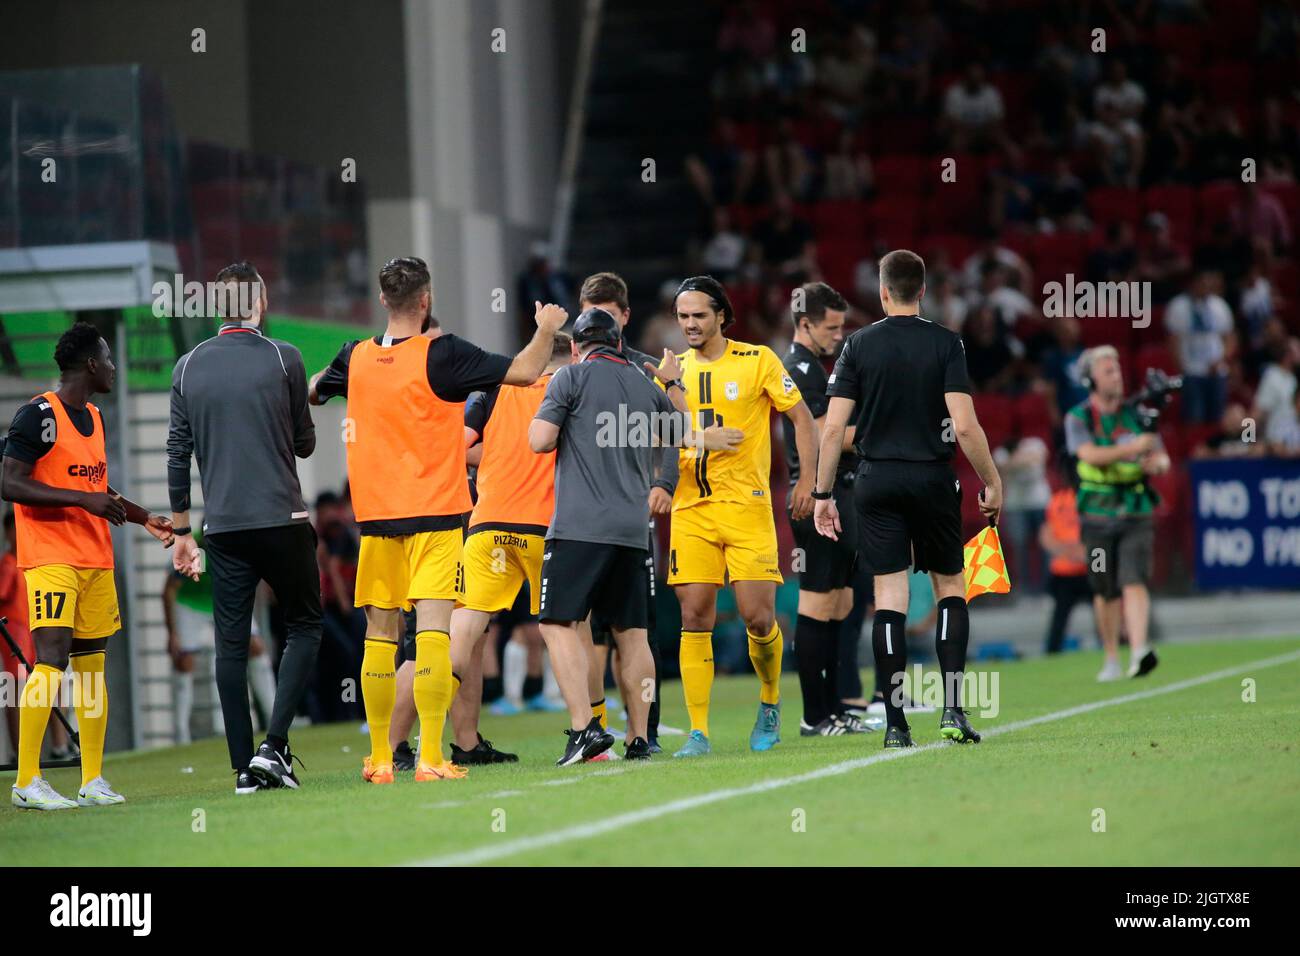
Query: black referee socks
column 951, row 635
column 889, row 644
column 816, row 648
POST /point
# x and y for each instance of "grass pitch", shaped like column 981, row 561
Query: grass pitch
column 1193, row 776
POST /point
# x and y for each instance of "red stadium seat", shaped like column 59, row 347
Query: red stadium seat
column 1186, row 41
column 1155, row 332
column 1106, row 330
column 1178, row 203
column 1033, row 416
column 1055, row 254
column 1156, row 356
column 837, row 219
column 955, row 245
column 1110, row 204
column 905, row 175
column 997, row 415
column 1229, row 82
column 952, row 212
column 893, row 220
column 839, row 262
column 1213, row 202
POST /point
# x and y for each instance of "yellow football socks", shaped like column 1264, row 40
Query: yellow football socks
column 378, row 692
column 90, row 693
column 433, row 691
column 598, row 711
column 696, row 659
column 33, row 716
column 765, row 655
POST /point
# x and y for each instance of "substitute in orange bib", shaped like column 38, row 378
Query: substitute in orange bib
column 503, row 550
column 56, row 474
column 406, row 466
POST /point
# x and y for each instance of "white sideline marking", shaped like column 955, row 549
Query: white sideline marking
column 593, row 828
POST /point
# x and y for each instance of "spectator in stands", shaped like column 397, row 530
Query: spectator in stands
column 1200, row 323
column 661, row 331
column 789, row 164
column 1059, row 537
column 722, row 174
column 1169, row 150
column 1013, row 192
column 848, row 173
column 1275, row 397
column 992, row 250
column 1287, row 444
column 1115, row 260
column 1060, row 365
column 1119, row 92
column 942, row 304
column 999, row 288
column 747, row 29
column 539, row 282
column 1220, row 146
column 1230, row 440
column 1258, row 305
column 1171, row 88
column 845, row 70
column 1119, row 145
column 1259, row 215
column 1061, row 200
column 724, row 252
column 905, row 72
column 1161, row 261
column 972, row 112
column 1022, row 462
column 1277, row 136
column 991, row 352
column 786, row 241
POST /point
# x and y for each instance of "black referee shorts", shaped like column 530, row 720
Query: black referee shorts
column 909, row 515
column 608, row 580
column 828, row 565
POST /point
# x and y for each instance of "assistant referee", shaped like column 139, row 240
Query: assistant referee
column 239, row 407
column 908, row 377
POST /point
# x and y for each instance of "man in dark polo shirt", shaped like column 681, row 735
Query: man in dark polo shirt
column 604, row 417
column 905, row 380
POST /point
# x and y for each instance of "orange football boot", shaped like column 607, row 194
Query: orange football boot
column 443, row 771
column 382, row 773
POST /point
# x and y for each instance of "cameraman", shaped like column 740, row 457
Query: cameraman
column 1116, row 454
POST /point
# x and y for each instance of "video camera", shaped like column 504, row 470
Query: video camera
column 1154, row 396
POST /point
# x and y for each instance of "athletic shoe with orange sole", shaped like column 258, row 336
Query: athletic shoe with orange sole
column 443, row 771
column 376, row 773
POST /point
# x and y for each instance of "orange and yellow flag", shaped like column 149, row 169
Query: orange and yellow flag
column 986, row 568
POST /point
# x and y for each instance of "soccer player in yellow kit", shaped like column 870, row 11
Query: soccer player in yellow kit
column 723, row 527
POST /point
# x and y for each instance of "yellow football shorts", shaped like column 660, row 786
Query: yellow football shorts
column 394, row 572
column 712, row 538
column 497, row 563
column 84, row 599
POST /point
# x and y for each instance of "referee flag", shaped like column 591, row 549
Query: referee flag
column 986, row 568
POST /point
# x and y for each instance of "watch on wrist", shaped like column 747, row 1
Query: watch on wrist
column 823, row 495
column 182, row 531
column 678, row 382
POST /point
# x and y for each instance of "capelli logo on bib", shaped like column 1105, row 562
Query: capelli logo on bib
column 94, row 472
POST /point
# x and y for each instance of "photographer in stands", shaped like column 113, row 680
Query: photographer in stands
column 1117, row 452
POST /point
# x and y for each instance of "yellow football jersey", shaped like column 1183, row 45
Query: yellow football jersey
column 737, row 390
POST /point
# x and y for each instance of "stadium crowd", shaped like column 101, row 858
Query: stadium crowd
column 1010, row 156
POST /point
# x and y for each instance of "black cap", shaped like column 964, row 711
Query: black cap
column 598, row 326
